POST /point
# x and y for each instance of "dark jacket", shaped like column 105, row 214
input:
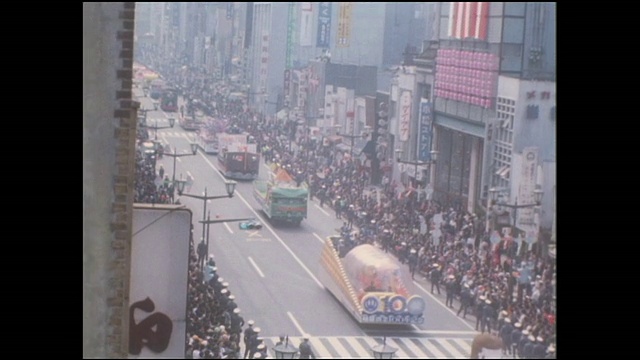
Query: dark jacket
column 505, row 333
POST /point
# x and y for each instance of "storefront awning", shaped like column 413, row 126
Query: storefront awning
column 460, row 125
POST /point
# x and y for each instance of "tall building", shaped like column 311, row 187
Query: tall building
column 266, row 59
column 474, row 73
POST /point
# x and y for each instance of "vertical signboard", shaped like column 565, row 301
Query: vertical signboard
column 344, row 25
column 404, row 123
column 527, row 184
column 350, row 115
column 291, row 28
column 324, row 25
column 306, row 23
column 329, row 118
column 287, row 81
column 424, row 137
column 264, row 59
column 158, row 282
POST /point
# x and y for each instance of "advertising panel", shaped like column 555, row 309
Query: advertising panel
column 306, row 23
column 324, row 25
column 426, row 126
column 344, row 25
column 404, row 125
column 158, row 281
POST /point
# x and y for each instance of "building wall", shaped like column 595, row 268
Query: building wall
column 399, row 31
column 108, row 176
column 268, row 18
column 367, row 34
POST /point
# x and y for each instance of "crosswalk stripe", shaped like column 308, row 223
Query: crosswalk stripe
column 352, row 351
column 400, row 346
column 452, row 351
column 461, row 346
column 425, row 350
column 366, row 344
column 433, row 349
column 360, row 346
column 411, row 347
column 345, row 347
column 337, row 346
column 318, row 348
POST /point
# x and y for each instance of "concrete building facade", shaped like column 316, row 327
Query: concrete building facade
column 266, row 59
column 514, row 39
column 108, row 175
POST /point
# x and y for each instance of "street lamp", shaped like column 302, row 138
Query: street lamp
column 194, row 150
column 286, row 350
column 352, row 139
column 172, row 122
column 537, row 196
column 383, row 351
column 230, row 187
column 434, row 158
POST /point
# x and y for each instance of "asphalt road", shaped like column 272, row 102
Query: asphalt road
column 272, row 271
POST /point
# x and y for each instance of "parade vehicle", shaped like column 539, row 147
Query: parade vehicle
column 208, row 135
column 156, row 88
column 250, row 225
column 208, row 140
column 281, row 198
column 371, row 284
column 190, row 123
column 238, row 157
column 169, row 100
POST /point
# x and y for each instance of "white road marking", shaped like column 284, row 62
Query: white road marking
column 438, row 333
column 318, row 237
column 189, row 173
column 295, row 322
column 296, row 258
column 321, row 209
column 256, row 267
column 399, row 352
column 450, row 349
column 433, row 349
column 441, row 304
column 337, row 345
column 228, row 227
column 178, row 159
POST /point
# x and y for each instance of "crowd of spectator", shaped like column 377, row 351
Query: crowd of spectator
column 146, row 190
column 506, row 284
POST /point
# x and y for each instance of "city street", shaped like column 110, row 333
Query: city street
column 272, row 271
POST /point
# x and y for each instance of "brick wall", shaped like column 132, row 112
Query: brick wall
column 108, row 174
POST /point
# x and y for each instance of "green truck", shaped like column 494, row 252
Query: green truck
column 281, row 199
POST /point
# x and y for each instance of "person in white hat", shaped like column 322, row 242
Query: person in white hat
column 253, row 342
column 305, row 348
column 449, row 289
column 505, row 334
column 248, row 334
column 551, row 352
column 436, row 277
column 489, row 316
column 516, row 334
column 237, row 321
column 527, row 350
column 465, row 300
column 479, row 310
column 539, row 349
column 412, row 259
column 524, row 340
